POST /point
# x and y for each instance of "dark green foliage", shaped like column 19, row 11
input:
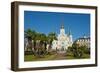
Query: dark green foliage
column 78, row 51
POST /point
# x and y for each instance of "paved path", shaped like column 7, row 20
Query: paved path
column 61, row 56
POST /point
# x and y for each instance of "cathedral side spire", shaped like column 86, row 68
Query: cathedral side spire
column 69, row 31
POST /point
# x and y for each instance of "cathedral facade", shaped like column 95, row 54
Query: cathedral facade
column 63, row 41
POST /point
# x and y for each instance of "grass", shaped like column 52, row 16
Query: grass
column 34, row 58
column 52, row 57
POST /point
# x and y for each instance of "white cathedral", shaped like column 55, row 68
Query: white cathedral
column 63, row 41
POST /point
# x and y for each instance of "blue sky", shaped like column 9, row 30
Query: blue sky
column 46, row 22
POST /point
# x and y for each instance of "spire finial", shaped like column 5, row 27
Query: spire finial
column 62, row 25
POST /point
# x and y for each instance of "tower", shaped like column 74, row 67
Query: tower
column 62, row 30
column 70, row 38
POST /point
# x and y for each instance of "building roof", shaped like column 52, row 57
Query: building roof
column 82, row 38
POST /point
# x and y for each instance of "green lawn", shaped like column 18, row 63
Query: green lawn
column 52, row 57
column 34, row 58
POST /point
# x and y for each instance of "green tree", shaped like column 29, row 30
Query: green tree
column 77, row 51
column 51, row 37
column 30, row 34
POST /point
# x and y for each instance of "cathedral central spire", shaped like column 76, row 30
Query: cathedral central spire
column 62, row 26
column 62, row 30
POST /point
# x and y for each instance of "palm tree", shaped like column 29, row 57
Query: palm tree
column 51, row 37
column 30, row 34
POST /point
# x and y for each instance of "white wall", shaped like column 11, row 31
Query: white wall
column 5, row 40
